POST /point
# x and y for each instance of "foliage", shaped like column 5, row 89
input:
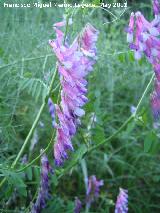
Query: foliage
column 130, row 160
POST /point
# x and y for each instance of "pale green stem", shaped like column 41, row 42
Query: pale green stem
column 36, row 121
column 128, row 120
column 144, row 93
column 124, row 125
column 34, row 125
column 41, row 109
column 106, row 140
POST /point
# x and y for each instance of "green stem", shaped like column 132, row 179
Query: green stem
column 128, row 120
column 38, row 157
column 29, row 135
column 113, row 135
column 144, row 93
column 117, row 132
column 103, row 142
column 36, row 121
column 41, row 109
column 33, row 126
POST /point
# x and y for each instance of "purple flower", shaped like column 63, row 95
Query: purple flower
column 156, row 7
column 133, row 109
column 52, row 111
column 93, row 189
column 130, row 29
column 146, row 42
column 78, row 205
column 145, row 39
column 75, row 61
column 24, row 159
column 43, row 193
column 155, row 101
column 122, row 201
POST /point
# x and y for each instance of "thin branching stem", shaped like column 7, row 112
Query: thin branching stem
column 110, row 138
column 121, row 128
column 34, row 125
column 128, row 120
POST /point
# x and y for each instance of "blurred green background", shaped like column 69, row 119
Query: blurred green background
column 130, row 161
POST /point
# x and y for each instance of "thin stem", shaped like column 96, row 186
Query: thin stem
column 144, row 93
column 34, row 125
column 113, row 135
column 39, row 114
column 29, row 135
column 35, row 122
column 85, row 172
column 117, row 132
column 103, row 142
column 25, row 59
column 38, row 157
column 3, row 181
column 128, row 120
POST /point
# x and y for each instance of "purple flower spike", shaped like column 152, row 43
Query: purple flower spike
column 75, row 61
column 155, row 101
column 52, row 111
column 147, row 42
column 43, row 193
column 93, row 189
column 156, row 7
column 122, row 202
column 146, row 37
column 78, row 205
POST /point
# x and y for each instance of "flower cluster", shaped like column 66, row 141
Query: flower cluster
column 93, row 189
column 122, row 202
column 155, row 101
column 44, row 185
column 143, row 38
column 78, row 205
column 74, row 63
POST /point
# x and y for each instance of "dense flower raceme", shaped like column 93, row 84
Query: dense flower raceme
column 93, row 189
column 78, row 205
column 122, row 201
column 74, row 63
column 144, row 38
column 43, row 193
column 155, row 101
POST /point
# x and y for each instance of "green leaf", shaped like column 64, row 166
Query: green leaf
column 121, row 57
column 131, row 56
column 36, row 172
column 54, row 179
column 27, row 74
column 16, row 180
column 22, row 191
column 35, row 87
column 29, row 173
column 149, row 139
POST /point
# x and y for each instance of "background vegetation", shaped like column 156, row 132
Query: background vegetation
column 131, row 160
